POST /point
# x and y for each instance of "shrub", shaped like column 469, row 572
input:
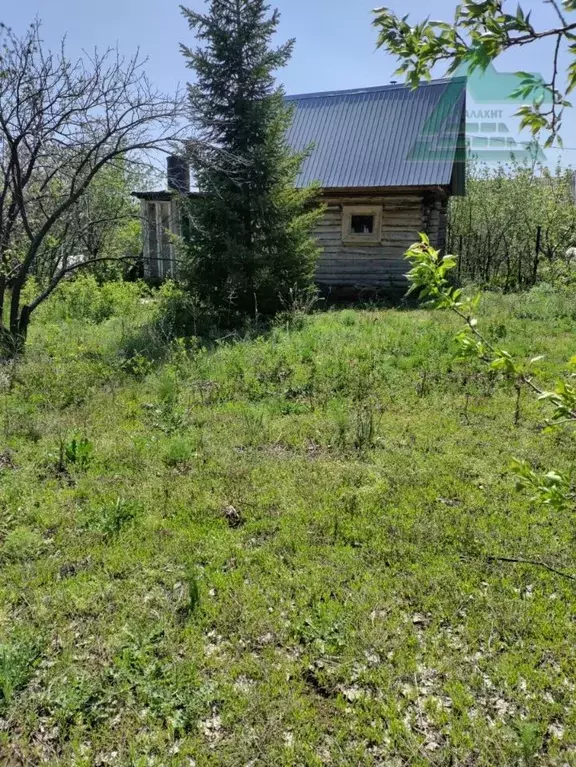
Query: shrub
column 111, row 519
column 17, row 661
column 77, row 452
column 83, row 298
column 178, row 451
column 547, row 302
column 22, row 544
column 181, row 313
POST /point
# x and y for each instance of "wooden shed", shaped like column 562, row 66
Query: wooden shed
column 387, row 160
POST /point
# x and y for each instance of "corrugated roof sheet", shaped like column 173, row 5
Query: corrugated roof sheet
column 382, row 137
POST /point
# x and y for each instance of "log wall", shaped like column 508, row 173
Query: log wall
column 377, row 266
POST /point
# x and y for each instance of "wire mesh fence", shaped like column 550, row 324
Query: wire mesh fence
column 513, row 228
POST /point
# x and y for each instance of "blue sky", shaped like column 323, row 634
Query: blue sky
column 335, row 49
column 335, row 41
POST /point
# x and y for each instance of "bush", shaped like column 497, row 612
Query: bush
column 547, row 302
column 178, row 451
column 181, row 313
column 22, row 544
column 83, row 298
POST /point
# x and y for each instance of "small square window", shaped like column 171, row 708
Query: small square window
column 362, row 224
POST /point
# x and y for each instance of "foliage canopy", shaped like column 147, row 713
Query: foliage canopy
column 480, row 31
column 516, row 226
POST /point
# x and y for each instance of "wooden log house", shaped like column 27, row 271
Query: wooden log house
column 387, row 160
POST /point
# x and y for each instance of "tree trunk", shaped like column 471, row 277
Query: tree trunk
column 23, row 324
column 11, row 346
column 15, row 306
column 2, row 298
column 13, row 333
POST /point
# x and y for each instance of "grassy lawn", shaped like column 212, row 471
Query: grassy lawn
column 275, row 551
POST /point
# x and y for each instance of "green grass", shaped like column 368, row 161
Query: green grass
column 274, row 551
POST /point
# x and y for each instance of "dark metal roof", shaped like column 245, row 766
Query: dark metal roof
column 162, row 195
column 390, row 136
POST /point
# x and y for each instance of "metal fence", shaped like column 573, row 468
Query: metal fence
column 511, row 260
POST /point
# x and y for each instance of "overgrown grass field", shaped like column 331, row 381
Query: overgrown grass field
column 276, row 550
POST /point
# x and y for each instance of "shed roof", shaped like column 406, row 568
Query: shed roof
column 390, row 136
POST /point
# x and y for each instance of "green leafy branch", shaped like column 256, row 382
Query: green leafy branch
column 430, row 278
column 479, row 33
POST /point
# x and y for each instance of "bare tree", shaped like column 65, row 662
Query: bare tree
column 64, row 124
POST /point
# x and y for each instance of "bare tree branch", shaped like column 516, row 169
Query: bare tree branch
column 63, row 125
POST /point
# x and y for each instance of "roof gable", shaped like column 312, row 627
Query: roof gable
column 390, row 136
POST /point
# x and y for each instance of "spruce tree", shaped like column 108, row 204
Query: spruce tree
column 250, row 242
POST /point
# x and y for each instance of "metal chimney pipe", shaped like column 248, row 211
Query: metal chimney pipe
column 178, row 174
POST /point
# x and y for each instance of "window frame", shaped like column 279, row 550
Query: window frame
column 351, row 238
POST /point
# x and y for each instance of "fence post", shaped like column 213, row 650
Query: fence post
column 537, row 255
